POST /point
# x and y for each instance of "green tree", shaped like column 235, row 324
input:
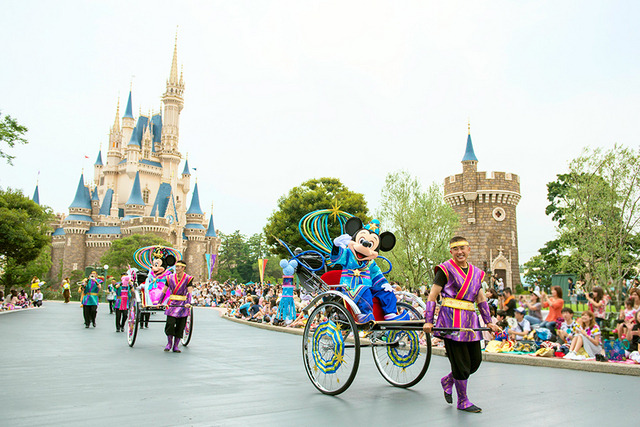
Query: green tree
column 11, row 133
column 120, row 254
column 596, row 206
column 310, row 196
column 422, row 223
column 23, row 227
column 235, row 260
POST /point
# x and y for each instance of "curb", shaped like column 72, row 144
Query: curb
column 18, row 310
column 514, row 359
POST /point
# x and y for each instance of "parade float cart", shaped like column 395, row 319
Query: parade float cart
column 143, row 303
column 332, row 339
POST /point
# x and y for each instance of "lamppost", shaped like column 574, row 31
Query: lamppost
column 106, row 270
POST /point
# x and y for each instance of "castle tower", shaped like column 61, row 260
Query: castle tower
column 95, row 204
column 195, row 232
column 36, row 195
column 213, row 241
column 486, row 203
column 114, row 154
column 134, row 207
column 173, row 103
column 75, row 227
column 127, row 122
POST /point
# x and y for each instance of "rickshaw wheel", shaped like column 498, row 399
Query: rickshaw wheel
column 331, row 348
column 405, row 363
column 133, row 319
column 188, row 328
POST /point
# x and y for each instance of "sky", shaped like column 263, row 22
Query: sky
column 279, row 92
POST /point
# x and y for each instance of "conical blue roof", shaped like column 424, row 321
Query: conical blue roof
column 195, row 202
column 94, row 195
column 36, row 195
column 82, row 199
column 186, row 168
column 128, row 112
column 211, row 231
column 99, row 159
column 469, row 155
column 135, row 198
column 105, row 209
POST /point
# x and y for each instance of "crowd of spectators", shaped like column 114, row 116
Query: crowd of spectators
column 16, row 300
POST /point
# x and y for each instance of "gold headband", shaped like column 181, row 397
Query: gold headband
column 181, row 263
column 460, row 243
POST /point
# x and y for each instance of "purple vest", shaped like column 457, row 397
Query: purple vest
column 463, row 287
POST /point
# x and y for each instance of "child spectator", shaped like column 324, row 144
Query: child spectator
column 565, row 333
column 37, row 298
column 634, row 334
column 626, row 319
column 586, row 336
column 523, row 327
column 597, row 304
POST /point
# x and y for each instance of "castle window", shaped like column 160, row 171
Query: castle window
column 499, row 214
column 145, row 195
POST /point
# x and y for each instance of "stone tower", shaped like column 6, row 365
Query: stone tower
column 486, row 203
column 194, row 231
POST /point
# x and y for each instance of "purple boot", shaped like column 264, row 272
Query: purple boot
column 169, row 343
column 447, row 386
column 463, row 401
column 176, row 342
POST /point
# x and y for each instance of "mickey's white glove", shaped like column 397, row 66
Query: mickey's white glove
column 342, row 241
column 387, row 287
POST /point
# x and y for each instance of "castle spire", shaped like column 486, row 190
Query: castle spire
column 195, row 202
column 469, row 154
column 82, row 199
column 99, row 159
column 36, row 195
column 135, row 198
column 173, row 75
column 211, row 231
column 185, row 171
column 128, row 112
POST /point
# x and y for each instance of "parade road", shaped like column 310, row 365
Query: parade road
column 55, row 372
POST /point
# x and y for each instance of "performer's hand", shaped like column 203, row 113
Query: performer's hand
column 495, row 328
column 342, row 241
column 188, row 305
column 387, row 287
column 427, row 328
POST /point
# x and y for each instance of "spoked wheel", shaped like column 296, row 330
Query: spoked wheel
column 133, row 318
column 398, row 355
column 331, row 348
column 188, row 328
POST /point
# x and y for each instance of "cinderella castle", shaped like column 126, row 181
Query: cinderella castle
column 140, row 188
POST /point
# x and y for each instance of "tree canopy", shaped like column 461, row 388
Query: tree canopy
column 422, row 223
column 238, row 258
column 11, row 133
column 120, row 254
column 311, row 195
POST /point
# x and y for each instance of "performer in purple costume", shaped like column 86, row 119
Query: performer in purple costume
column 179, row 305
column 459, row 284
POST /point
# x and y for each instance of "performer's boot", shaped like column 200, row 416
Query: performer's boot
column 447, row 386
column 169, row 343
column 463, row 401
column 176, row 343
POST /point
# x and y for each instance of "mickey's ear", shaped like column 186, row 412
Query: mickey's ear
column 387, row 241
column 352, row 225
column 170, row 260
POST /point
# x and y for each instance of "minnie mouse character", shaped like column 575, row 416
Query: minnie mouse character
column 361, row 277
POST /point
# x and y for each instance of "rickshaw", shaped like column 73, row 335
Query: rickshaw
column 142, row 302
column 332, row 338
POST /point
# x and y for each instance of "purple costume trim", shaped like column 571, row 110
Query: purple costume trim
column 485, row 313
column 429, row 310
column 176, row 308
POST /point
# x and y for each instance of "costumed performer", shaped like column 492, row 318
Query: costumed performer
column 66, row 290
column 287, row 307
column 90, row 290
column 122, row 290
column 361, row 277
column 460, row 285
column 155, row 282
column 178, row 305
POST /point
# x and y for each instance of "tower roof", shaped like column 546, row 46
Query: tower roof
column 36, row 195
column 128, row 111
column 211, row 231
column 99, row 159
column 164, row 205
column 185, row 171
column 469, row 155
column 94, row 195
column 173, row 74
column 82, row 199
column 195, row 202
column 138, row 131
column 135, row 198
column 105, row 209
column 156, row 129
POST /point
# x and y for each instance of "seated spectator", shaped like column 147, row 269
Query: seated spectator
column 501, row 319
column 492, row 298
column 523, row 327
column 586, row 336
column 597, row 304
column 626, row 319
column 243, row 310
column 535, row 308
column 255, row 310
column 634, row 334
column 565, row 333
column 555, row 304
column 509, row 302
column 37, row 298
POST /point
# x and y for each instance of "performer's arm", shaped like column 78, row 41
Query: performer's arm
column 189, row 290
column 431, row 308
column 485, row 313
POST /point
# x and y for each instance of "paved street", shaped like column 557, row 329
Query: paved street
column 55, row 372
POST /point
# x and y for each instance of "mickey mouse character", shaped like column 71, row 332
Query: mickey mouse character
column 361, row 277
